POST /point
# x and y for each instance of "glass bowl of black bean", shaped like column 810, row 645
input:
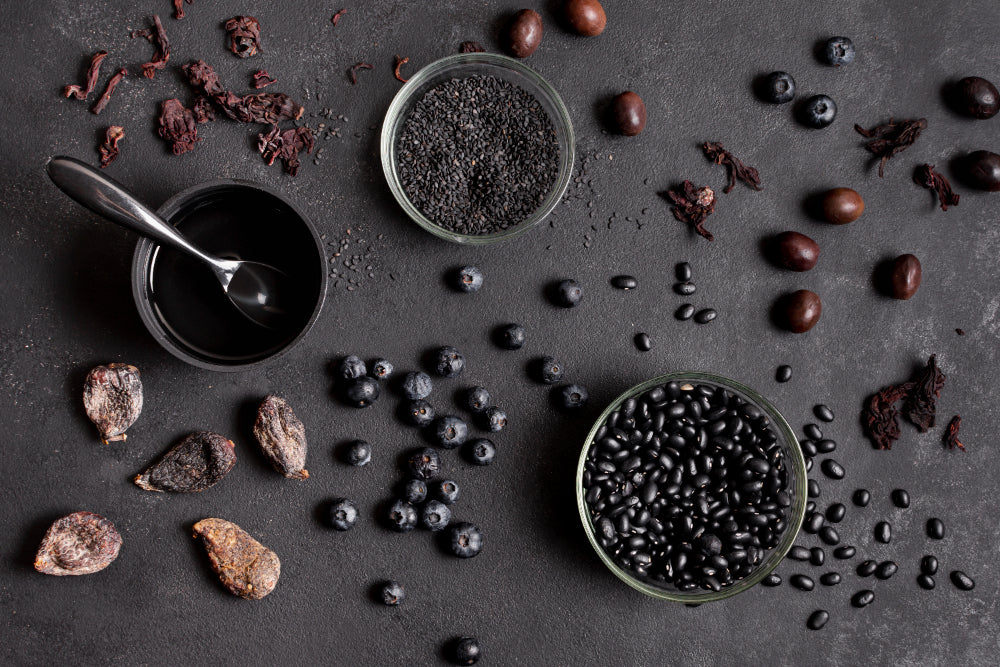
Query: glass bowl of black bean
column 477, row 148
column 691, row 487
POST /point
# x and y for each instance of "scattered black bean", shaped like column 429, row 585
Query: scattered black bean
column 829, row 535
column 886, row 569
column 643, row 343
column 810, row 506
column 935, row 529
column 844, row 552
column 862, row 497
column 808, row 447
column 926, row 582
column 783, row 374
column 683, row 272
column 771, row 580
column 818, row 619
column 798, row 553
column 830, row 579
column 826, row 445
column 832, row 469
column 812, row 432
column 900, row 498
column 962, row 581
column 705, row 316
column 835, row 513
column 813, row 523
column 817, row 556
column 862, row 598
column 867, row 568
column 823, row 413
column 809, row 465
column 883, row 532
column 624, row 282
column 812, row 487
column 685, row 289
column 802, row 582
column 929, row 565
column 685, row 312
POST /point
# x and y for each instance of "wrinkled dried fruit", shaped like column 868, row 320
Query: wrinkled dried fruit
column 193, row 464
column 286, row 146
column 81, row 92
column 158, row 36
column 112, row 396
column 179, row 126
column 282, row 437
column 245, row 566
column 921, row 404
column 78, row 543
column 109, row 149
column 244, row 35
column 269, row 108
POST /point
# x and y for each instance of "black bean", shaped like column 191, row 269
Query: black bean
column 798, row 553
column 826, row 445
column 771, row 580
column 812, row 432
column 830, row 579
column 962, row 581
column 832, row 469
column 883, row 532
column 685, row 312
column 835, row 513
column 829, row 535
column 823, row 413
column 929, row 565
column 683, row 272
column 862, row 497
column 808, row 447
column 900, row 498
column 817, row 556
column 812, row 486
column 624, row 282
column 845, row 552
column 783, row 374
column 818, row 619
column 935, row 529
column 643, row 343
column 810, row 506
column 802, row 582
column 813, row 523
column 886, row 569
column 705, row 316
column 862, row 598
column 926, row 582
column 809, row 464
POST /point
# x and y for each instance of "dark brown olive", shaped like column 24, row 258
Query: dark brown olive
column 585, row 17
column 801, row 311
column 794, row 251
column 628, row 113
column 982, row 170
column 904, row 278
column 978, row 98
column 525, row 33
column 842, row 205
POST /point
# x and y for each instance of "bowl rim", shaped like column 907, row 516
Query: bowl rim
column 143, row 254
column 394, row 117
column 797, row 469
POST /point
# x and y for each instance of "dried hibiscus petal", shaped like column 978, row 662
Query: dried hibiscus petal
column 244, row 35
column 179, row 8
column 336, row 17
column 79, row 543
column 399, row 64
column 112, row 396
column 353, row 72
column 261, row 79
column 921, row 403
column 734, row 166
column 471, row 47
column 891, row 138
column 158, row 36
column 179, row 126
column 267, row 108
column 880, row 417
column 245, row 566
column 194, row 464
column 81, row 92
column 109, row 149
column 951, row 435
column 113, row 82
column 692, row 205
column 282, row 437
column 927, row 177
column 202, row 110
column 285, row 145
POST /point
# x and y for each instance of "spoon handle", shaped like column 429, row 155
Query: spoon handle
column 111, row 200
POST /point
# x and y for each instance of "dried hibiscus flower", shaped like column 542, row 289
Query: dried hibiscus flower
column 112, row 397
column 202, row 110
column 735, row 168
column 244, row 35
column 113, row 82
column 692, row 205
column 891, row 138
column 286, row 146
column 336, row 17
column 179, row 8
column 951, row 435
column 282, row 437
column 471, row 47
column 158, row 36
column 880, row 416
column 266, row 108
column 399, row 64
column 353, row 72
column 109, row 149
column 81, row 92
column 79, row 543
column 178, row 126
column 926, row 177
column 261, row 79
column 921, row 402
column 245, row 567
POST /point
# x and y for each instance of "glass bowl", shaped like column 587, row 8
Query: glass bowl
column 796, row 487
column 458, row 67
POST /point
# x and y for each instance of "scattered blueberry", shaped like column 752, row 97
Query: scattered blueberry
column 424, row 463
column 819, row 111
column 838, row 51
column 568, row 294
column 362, row 392
column 510, row 336
column 464, row 651
column 343, row 514
column 359, row 453
column 416, row 385
column 450, row 431
column 550, row 371
column 778, row 88
column 468, row 279
column 481, row 451
column 415, row 491
column 392, row 593
column 448, row 362
column 570, row 397
column 466, row 540
column 495, row 419
column 419, row 412
column 446, row 491
column 351, row 367
column 402, row 516
column 381, row 369
column 477, row 399
column 436, row 515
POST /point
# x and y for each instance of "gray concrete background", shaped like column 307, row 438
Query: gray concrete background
column 536, row 595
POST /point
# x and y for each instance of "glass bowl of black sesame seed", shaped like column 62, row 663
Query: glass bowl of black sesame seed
column 477, row 148
column 691, row 487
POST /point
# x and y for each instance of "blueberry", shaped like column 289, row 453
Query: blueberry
column 838, row 51
column 477, row 399
column 450, row 431
column 549, row 370
column 495, row 419
column 436, row 515
column 343, row 514
column 446, row 491
column 468, row 279
column 362, row 392
column 448, row 362
column 424, row 463
column 568, row 294
column 464, row 651
column 402, row 516
column 570, row 397
column 466, row 540
column 392, row 593
column 480, row 451
column 818, row 111
column 414, row 491
column 351, row 367
column 381, row 369
column 778, row 88
column 510, row 336
column 359, row 453
column 417, row 384
column 418, row 413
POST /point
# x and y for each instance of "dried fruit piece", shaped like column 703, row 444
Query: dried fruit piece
column 112, row 396
column 245, row 566
column 81, row 92
column 195, row 463
column 102, row 101
column 282, row 437
column 158, row 36
column 244, row 35
column 109, row 149
column 920, row 406
column 286, row 146
column 78, row 543
column 179, row 126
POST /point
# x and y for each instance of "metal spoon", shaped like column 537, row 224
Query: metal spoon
column 255, row 289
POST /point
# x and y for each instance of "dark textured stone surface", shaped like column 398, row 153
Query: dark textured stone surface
column 537, row 593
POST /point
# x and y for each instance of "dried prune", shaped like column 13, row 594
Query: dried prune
column 193, row 464
column 112, row 396
column 78, row 543
column 282, row 437
column 245, row 566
